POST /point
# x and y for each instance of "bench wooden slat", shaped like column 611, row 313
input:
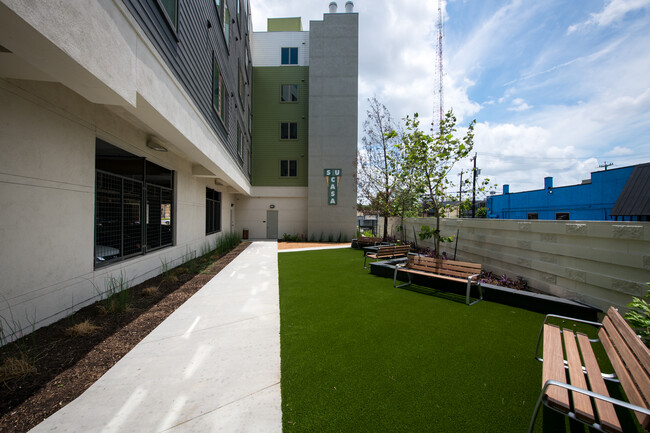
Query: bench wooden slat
column 428, row 274
column 387, row 252
column 442, row 271
column 581, row 402
column 624, row 364
column 606, row 412
column 553, row 367
column 629, row 358
column 633, row 341
column 451, row 264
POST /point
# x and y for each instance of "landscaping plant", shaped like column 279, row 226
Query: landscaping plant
column 639, row 316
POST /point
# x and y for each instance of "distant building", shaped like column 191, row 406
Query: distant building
column 622, row 193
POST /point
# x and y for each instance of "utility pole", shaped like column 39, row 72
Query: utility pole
column 460, row 193
column 605, row 165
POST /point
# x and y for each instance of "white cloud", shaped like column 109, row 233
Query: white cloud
column 614, row 11
column 620, row 151
column 519, row 104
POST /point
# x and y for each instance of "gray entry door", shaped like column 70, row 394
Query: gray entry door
column 271, row 224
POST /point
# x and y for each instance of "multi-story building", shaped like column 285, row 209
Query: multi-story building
column 130, row 139
column 304, row 129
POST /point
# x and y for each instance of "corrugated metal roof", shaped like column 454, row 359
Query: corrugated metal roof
column 635, row 197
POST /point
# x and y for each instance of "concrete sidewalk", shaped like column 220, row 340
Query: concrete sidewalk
column 213, row 365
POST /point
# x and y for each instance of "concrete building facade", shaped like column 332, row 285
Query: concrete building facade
column 305, row 92
column 126, row 141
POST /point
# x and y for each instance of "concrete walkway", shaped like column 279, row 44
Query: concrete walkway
column 213, row 365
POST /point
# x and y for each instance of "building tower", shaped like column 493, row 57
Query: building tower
column 304, row 123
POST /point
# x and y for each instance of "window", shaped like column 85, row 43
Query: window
column 171, row 8
column 561, row 215
column 212, row 211
column 532, row 216
column 289, row 131
column 219, row 93
column 133, row 205
column 289, row 56
column 240, row 141
column 289, row 93
column 288, row 168
column 226, row 23
column 240, row 85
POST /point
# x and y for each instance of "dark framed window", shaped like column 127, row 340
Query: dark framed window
column 212, row 211
column 288, row 131
column 240, row 85
column 288, row 168
column 226, row 23
column 533, row 216
column 171, row 9
column 240, row 141
column 289, row 93
column 562, row 215
column 289, row 56
column 219, row 92
column 133, row 205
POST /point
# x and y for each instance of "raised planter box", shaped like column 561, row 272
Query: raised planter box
column 540, row 303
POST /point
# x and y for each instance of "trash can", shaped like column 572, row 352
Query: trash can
column 245, row 234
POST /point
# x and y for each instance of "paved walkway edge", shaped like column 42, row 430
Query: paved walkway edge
column 212, row 365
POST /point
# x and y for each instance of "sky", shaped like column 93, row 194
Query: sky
column 557, row 87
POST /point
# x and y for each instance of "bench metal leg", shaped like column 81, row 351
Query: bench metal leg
column 395, row 279
column 469, row 286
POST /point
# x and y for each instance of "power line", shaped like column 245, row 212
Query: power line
column 574, row 158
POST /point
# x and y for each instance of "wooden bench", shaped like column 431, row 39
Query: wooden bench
column 628, row 355
column 386, row 252
column 452, row 270
column 364, row 241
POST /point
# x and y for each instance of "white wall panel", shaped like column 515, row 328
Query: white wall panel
column 266, row 47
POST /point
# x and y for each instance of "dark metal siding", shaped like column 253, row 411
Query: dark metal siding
column 635, row 197
column 188, row 51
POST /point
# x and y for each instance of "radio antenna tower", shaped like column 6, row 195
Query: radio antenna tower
column 438, row 106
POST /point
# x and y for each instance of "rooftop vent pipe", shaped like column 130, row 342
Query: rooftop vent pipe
column 333, row 7
column 349, row 7
column 548, row 182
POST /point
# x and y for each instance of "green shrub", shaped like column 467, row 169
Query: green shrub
column 639, row 317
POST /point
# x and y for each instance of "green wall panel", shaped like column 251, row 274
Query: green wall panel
column 268, row 113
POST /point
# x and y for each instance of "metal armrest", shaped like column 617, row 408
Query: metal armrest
column 592, row 394
column 573, row 319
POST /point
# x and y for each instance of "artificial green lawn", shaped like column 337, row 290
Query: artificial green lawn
column 361, row 356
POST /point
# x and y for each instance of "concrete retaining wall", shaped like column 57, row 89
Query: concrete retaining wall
column 599, row 263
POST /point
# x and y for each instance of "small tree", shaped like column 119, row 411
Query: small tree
column 426, row 162
column 376, row 179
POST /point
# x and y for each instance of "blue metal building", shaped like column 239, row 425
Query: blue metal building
column 593, row 199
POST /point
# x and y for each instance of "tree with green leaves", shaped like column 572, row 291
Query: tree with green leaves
column 376, row 180
column 426, row 162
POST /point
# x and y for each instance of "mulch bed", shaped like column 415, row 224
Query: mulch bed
column 67, row 365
